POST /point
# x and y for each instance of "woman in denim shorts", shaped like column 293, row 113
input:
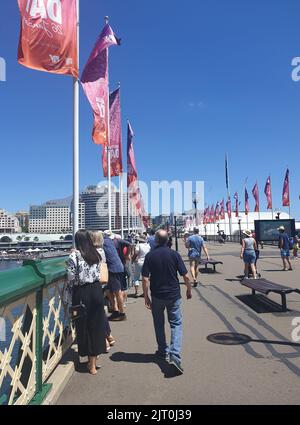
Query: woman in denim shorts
column 248, row 254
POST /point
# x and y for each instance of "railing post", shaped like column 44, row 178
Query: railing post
column 39, row 341
column 40, row 390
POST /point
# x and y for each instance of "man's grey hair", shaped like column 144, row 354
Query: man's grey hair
column 161, row 237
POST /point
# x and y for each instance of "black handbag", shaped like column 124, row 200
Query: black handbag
column 77, row 312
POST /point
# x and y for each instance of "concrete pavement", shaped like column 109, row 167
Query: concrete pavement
column 260, row 372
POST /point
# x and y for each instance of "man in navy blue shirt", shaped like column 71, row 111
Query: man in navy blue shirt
column 284, row 246
column 160, row 270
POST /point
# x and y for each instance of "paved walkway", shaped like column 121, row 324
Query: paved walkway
column 260, row 372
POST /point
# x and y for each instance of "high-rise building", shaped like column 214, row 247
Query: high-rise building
column 9, row 223
column 95, row 199
column 53, row 217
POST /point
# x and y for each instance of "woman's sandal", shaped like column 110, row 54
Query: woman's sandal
column 93, row 372
column 111, row 341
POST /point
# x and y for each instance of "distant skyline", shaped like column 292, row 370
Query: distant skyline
column 197, row 80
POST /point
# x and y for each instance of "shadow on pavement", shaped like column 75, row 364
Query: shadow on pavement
column 273, row 270
column 232, row 280
column 168, row 370
column 209, row 271
column 233, row 338
column 260, row 304
column 285, row 359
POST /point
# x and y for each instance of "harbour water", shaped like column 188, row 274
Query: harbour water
column 6, row 265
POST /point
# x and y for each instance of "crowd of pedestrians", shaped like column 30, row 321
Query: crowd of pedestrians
column 103, row 266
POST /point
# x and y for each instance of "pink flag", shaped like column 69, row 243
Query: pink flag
column 222, row 211
column 132, row 177
column 228, row 206
column 94, row 81
column 255, row 194
column 247, row 208
column 115, row 137
column 286, row 190
column 48, row 38
column 236, row 197
column 268, row 193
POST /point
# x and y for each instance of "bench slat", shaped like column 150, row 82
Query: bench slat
column 203, row 262
column 265, row 286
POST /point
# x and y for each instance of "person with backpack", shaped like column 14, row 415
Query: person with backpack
column 284, row 245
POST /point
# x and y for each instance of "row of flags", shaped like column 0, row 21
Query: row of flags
column 216, row 213
column 48, row 42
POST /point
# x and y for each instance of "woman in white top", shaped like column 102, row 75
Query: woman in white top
column 85, row 289
column 141, row 250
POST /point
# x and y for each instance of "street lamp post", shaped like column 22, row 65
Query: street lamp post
column 176, row 235
column 240, row 230
column 195, row 202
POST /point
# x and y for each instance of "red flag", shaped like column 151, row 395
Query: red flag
column 212, row 214
column 228, row 207
column 286, row 190
column 255, row 194
column 222, row 211
column 48, row 37
column 206, row 215
column 268, row 193
column 94, row 81
column 115, row 137
column 217, row 212
column 236, row 197
column 247, row 208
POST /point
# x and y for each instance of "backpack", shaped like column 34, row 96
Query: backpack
column 291, row 243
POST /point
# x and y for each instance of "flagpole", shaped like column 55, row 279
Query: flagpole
column 271, row 198
column 258, row 201
column 129, row 213
column 121, row 204
column 228, row 193
column 289, row 198
column 76, row 138
column 247, row 214
column 106, row 20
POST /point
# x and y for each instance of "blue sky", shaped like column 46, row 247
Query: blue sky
column 198, row 78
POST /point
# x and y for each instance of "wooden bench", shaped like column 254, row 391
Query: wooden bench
column 265, row 287
column 210, row 261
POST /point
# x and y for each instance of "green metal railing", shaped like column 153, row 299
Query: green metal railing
column 37, row 328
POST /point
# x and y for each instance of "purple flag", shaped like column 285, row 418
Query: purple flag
column 94, row 81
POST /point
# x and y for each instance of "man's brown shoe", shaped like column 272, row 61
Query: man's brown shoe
column 119, row 318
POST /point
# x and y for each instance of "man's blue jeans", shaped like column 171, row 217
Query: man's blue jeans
column 175, row 320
